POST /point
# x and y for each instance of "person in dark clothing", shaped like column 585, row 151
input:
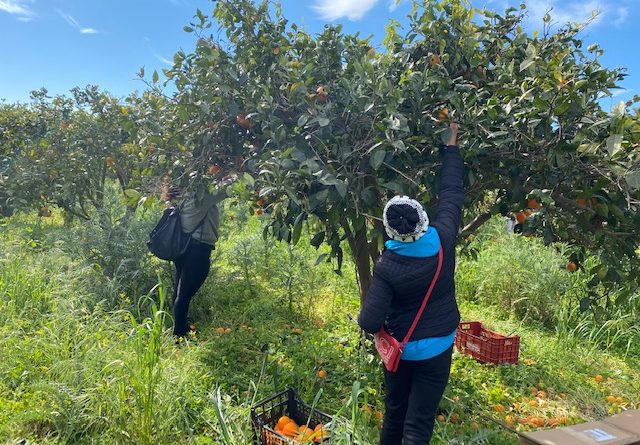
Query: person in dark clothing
column 200, row 217
column 400, row 280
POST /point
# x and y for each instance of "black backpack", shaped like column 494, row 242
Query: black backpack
column 167, row 241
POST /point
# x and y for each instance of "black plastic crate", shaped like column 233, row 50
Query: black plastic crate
column 265, row 414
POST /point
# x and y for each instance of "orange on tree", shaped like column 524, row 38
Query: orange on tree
column 521, row 217
column 572, row 267
column 533, row 204
column 582, row 202
column 441, row 418
column 213, row 169
column 321, row 94
column 443, row 114
column 243, row 121
column 435, row 59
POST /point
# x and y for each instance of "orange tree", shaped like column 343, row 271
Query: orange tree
column 62, row 151
column 328, row 127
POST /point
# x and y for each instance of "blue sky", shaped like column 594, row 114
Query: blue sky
column 60, row 44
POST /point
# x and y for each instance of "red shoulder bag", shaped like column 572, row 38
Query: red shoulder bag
column 389, row 348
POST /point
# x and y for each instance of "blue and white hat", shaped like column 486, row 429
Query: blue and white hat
column 405, row 219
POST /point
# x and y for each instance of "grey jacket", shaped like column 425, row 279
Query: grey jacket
column 192, row 213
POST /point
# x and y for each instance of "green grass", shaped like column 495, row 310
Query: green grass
column 87, row 360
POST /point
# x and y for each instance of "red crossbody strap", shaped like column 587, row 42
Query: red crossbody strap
column 426, row 299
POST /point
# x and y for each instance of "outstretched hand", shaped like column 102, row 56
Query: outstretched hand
column 453, row 134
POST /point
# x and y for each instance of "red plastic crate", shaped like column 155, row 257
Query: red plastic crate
column 486, row 346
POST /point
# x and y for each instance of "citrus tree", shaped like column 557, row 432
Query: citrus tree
column 62, row 151
column 328, row 127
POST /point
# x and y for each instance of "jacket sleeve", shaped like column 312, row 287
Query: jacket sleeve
column 376, row 305
column 451, row 193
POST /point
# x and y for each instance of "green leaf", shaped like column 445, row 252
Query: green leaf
column 188, row 29
column 322, row 257
column 155, row 76
column 317, row 239
column 323, row 121
column 377, row 159
column 614, row 144
column 341, row 188
column 297, row 229
column 633, row 179
column 526, row 64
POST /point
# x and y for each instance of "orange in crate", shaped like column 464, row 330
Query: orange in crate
column 282, row 420
column 485, row 345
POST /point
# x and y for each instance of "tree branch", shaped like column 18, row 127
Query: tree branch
column 475, row 224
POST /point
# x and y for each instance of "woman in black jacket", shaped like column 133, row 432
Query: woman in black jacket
column 400, row 280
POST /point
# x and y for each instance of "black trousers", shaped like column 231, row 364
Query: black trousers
column 412, row 394
column 191, row 271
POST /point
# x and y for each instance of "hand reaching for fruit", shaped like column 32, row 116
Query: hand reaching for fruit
column 452, row 134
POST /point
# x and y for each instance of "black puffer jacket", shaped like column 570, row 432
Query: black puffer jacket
column 399, row 283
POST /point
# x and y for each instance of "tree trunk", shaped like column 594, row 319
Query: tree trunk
column 361, row 257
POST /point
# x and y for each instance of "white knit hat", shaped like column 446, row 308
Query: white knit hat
column 405, row 219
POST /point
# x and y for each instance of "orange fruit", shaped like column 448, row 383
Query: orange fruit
column 619, row 400
column 509, row 420
column 533, row 204
column 320, row 432
column 536, row 421
column 219, row 330
column 563, row 420
column 598, row 378
column 541, row 395
column 276, row 50
column 290, row 429
column 611, row 399
column 572, row 267
column 553, row 422
column 499, row 408
column 282, row 421
column 441, row 418
column 227, row 330
column 321, row 374
column 581, row 202
column 533, row 390
column 443, row 114
column 213, row 169
column 297, row 331
column 378, row 415
column 521, row 217
column 435, row 60
column 455, row 417
column 305, row 432
column 259, row 211
column 533, row 403
column 109, row 161
column 243, row 121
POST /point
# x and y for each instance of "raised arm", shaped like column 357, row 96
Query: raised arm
column 451, row 192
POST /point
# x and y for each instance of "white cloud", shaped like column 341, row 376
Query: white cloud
column 621, row 15
column 163, row 59
column 336, row 9
column 563, row 12
column 74, row 23
column 18, row 7
column 395, row 4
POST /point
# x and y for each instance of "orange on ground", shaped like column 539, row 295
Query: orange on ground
column 599, row 378
column 619, row 400
column 499, row 408
column 542, row 395
column 509, row 420
column 572, row 267
column 322, row 373
column 611, row 399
